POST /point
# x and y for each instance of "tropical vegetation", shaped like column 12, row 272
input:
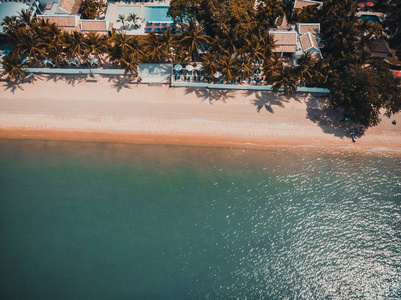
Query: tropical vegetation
column 232, row 37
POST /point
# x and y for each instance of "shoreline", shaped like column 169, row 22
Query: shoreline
column 118, row 112
column 196, row 141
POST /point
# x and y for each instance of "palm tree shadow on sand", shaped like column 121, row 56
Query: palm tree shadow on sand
column 267, row 99
column 329, row 118
column 13, row 86
column 119, row 82
column 70, row 79
column 212, row 95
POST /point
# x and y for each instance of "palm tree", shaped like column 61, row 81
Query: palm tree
column 129, row 64
column 254, row 48
column 244, row 66
column 209, row 64
column 121, row 18
column 303, row 71
column 132, row 17
column 285, row 80
column 9, row 24
column 154, row 48
column 26, row 19
column 272, row 66
column 123, row 41
column 96, row 45
column 193, row 38
column 13, row 66
column 31, row 45
column 76, row 45
column 268, row 45
column 137, row 47
column 227, row 66
column 169, row 44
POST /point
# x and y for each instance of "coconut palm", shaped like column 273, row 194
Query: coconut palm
column 272, row 66
column 132, row 17
column 121, row 18
column 254, row 48
column 13, row 66
column 129, row 64
column 268, row 45
column 285, row 80
column 209, row 64
column 154, row 48
column 26, row 18
column 169, row 44
column 137, row 47
column 227, row 66
column 96, row 45
column 76, row 45
column 122, row 41
column 30, row 44
column 303, row 71
column 9, row 24
column 193, row 38
column 244, row 67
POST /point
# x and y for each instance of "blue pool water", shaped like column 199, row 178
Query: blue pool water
column 371, row 18
column 126, row 10
column 150, row 13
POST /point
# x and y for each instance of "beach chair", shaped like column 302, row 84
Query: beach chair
column 179, row 78
column 249, row 80
column 222, row 80
column 195, row 78
column 262, row 80
column 239, row 79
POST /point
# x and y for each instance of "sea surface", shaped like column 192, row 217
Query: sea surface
column 115, row 221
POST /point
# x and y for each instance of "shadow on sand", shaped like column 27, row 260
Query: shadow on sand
column 211, row 95
column 329, row 118
column 70, row 79
column 267, row 99
column 120, row 82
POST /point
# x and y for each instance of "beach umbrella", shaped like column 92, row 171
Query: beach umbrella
column 189, row 68
column 397, row 73
column 361, row 5
column 94, row 61
column 199, row 67
column 369, row 4
column 73, row 62
column 48, row 61
column 217, row 74
column 178, row 67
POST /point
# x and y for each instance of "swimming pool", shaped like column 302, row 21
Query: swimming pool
column 126, row 10
column 371, row 18
column 156, row 14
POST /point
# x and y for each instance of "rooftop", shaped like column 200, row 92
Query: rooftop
column 300, row 4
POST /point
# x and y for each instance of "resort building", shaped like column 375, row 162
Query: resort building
column 63, row 7
column 300, row 4
column 381, row 49
column 67, row 23
column 297, row 40
column 12, row 8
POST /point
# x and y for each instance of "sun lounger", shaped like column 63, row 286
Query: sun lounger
column 179, row 78
column 222, row 80
column 249, row 80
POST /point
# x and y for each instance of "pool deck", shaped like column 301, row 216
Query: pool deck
column 380, row 15
column 112, row 15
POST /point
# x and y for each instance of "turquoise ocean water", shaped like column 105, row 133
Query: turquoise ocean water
column 114, row 221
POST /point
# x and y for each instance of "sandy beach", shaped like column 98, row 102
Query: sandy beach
column 112, row 110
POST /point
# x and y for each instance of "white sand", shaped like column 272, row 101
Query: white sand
column 109, row 110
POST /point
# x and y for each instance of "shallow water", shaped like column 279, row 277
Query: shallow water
column 113, row 221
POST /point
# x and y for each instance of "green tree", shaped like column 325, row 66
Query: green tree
column 303, row 71
column 364, row 90
column 227, row 67
column 285, row 80
column 193, row 38
column 154, row 48
column 92, row 9
column 13, row 66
